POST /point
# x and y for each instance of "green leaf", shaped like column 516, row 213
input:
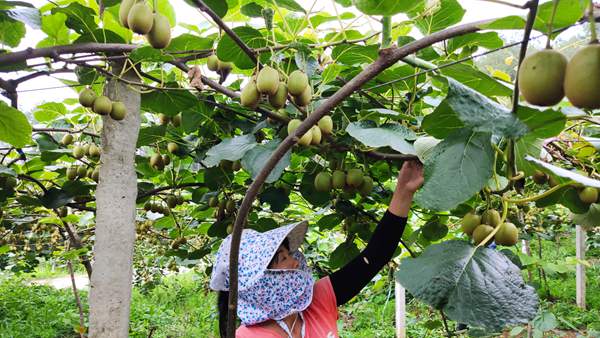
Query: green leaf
column 254, row 160
column 329, row 222
column 289, row 4
column 149, row 54
column 276, row 197
column 527, row 145
column 476, row 286
column 252, row 10
column 188, row 41
column 433, row 16
column 476, row 80
column 542, row 124
column 567, row 13
column 350, row 54
column 379, row 7
column 489, row 40
column 79, row 18
column 482, row 114
column 231, row 149
column 343, row 254
column 568, row 197
column 457, row 168
column 323, row 17
column 228, row 50
column 218, row 6
column 388, row 135
column 30, row 16
column 508, row 22
column 169, row 102
column 7, row 171
column 150, row 135
column 549, row 168
column 590, row 219
column 49, row 111
column 11, row 31
column 14, row 126
column 100, row 35
column 55, row 198
column 442, row 122
column 215, row 178
column 545, row 321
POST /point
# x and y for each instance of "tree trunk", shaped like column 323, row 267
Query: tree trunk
column 110, row 292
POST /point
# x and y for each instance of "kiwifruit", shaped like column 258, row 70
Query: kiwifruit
column 323, row 182
column 237, row 165
column 140, row 18
column 491, row 217
column 164, row 119
column 230, row 206
column 326, row 124
column 159, row 36
column 172, row 147
column 470, row 222
column 96, row 174
column 67, row 139
column 166, row 159
column 224, row 66
column 481, row 232
column 94, row 151
column 582, row 79
column 553, row 181
column 86, row 148
column 316, row 135
column 72, row 172
column 213, row 202
column 102, row 105
column 87, row 97
column 81, row 171
column 306, row 139
column 539, row 177
column 297, row 82
column 118, row 111
column 338, row 179
column 267, row 80
column 278, row 99
column 63, row 212
column 229, row 229
column 226, row 165
column 588, row 195
column 124, row 11
column 507, row 235
column 89, row 172
column 212, row 62
column 293, row 125
column 366, row 186
column 354, row 177
column 156, row 161
column 78, row 152
column 304, row 98
column 176, row 120
column 172, row 201
column 541, row 77
column 250, row 95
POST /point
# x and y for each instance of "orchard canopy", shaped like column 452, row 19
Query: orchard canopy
column 264, row 112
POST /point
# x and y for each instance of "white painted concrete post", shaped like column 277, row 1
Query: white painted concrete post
column 580, row 238
column 400, row 294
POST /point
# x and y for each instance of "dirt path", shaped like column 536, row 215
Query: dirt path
column 64, row 282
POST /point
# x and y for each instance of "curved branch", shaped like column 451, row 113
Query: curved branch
column 169, row 187
column 92, row 47
column 65, row 130
column 387, row 58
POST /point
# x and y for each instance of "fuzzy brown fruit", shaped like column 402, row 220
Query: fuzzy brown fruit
column 212, row 62
column 297, row 82
column 323, row 182
column 326, row 124
column 267, row 80
column 87, row 97
column 140, row 18
column 491, row 217
column 94, row 151
column 159, row 36
column 78, row 152
column 278, row 99
column 66, row 139
column 481, row 232
column 172, row 147
column 470, row 222
column 156, row 161
column 541, row 77
column 366, row 186
column 539, row 177
column 72, row 173
column 250, row 95
column 354, row 178
column 507, row 235
column 304, row 98
column 338, row 180
column 588, row 195
column 102, row 105
column 293, row 125
column 306, row 139
column 124, row 11
column 118, row 111
column 582, row 79
column 316, row 135
column 176, row 120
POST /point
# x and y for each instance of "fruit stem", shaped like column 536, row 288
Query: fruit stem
column 592, row 21
column 551, row 23
column 386, row 31
column 537, row 197
column 155, row 6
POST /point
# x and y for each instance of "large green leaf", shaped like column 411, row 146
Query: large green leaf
column 478, row 112
column 354, row 54
column 542, row 124
column 28, row 15
column 489, row 40
column 231, row 149
column 457, row 168
column 378, row 7
column 254, row 160
column 433, row 16
column 14, row 126
column 590, row 219
column 477, row 286
column 188, row 41
column 150, row 135
column 79, row 18
column 11, row 31
column 568, row 197
column 100, row 35
column 388, row 135
column 527, row 145
column 442, row 122
column 288, row 4
column 252, row 10
column 276, row 197
column 169, row 102
column 228, row 50
column 477, row 80
column 55, row 198
column 552, row 169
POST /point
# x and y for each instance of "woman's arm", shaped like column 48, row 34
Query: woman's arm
column 350, row 279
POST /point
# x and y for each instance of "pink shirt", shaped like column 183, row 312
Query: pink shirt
column 320, row 317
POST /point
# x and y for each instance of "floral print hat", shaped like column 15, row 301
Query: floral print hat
column 266, row 293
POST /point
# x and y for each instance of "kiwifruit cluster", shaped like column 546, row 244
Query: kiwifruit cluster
column 174, row 200
column 164, row 119
column 315, row 133
column 224, row 207
column 587, row 195
column 230, row 165
column 81, row 171
column 480, row 226
column 267, row 82
column 214, row 64
column 137, row 16
column 546, row 76
column 7, row 183
column 91, row 150
column 102, row 105
column 354, row 180
column 158, row 161
column 157, row 207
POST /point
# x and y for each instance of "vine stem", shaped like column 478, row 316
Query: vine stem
column 533, row 6
column 592, row 20
column 551, row 23
column 386, row 31
column 537, row 197
column 387, row 58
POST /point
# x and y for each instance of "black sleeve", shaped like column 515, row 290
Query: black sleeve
column 351, row 278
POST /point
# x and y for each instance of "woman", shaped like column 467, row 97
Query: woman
column 277, row 295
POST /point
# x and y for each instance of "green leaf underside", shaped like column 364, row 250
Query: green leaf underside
column 589, row 219
column 457, row 168
column 567, row 196
column 14, row 126
column 387, row 135
column 254, row 160
column 477, row 286
column 231, row 149
column 552, row 169
column 228, row 50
